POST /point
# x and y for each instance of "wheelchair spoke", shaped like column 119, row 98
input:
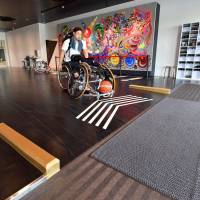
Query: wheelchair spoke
column 77, row 86
column 86, row 76
column 63, row 78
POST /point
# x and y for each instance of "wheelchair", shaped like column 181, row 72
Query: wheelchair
column 91, row 74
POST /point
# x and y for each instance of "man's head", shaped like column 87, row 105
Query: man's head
column 77, row 33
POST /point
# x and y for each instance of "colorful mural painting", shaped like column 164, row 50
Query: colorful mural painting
column 118, row 38
column 121, row 40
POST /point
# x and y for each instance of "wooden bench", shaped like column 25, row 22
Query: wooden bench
column 42, row 160
column 152, row 89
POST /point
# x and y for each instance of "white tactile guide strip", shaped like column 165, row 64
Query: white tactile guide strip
column 91, row 112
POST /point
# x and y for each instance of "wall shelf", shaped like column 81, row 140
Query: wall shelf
column 189, row 52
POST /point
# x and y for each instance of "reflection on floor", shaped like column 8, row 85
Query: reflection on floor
column 34, row 104
column 15, row 171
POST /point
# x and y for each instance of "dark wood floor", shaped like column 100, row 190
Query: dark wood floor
column 34, row 105
column 15, row 172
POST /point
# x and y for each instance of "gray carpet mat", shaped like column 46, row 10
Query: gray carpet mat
column 188, row 91
column 165, row 156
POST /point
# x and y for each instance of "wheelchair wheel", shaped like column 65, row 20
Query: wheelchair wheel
column 63, row 77
column 77, row 86
column 40, row 67
column 108, row 75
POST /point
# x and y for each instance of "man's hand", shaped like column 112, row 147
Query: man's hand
column 85, row 53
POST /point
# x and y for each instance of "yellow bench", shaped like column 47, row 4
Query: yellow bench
column 42, row 160
column 152, row 89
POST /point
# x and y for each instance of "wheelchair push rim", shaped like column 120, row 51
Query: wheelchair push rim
column 77, row 86
column 63, row 78
column 102, row 72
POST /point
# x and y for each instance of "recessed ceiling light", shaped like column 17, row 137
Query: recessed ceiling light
column 62, row 7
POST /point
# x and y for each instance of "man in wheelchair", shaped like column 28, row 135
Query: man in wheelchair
column 81, row 75
column 74, row 45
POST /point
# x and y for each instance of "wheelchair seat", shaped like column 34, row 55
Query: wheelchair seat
column 80, row 58
column 76, row 58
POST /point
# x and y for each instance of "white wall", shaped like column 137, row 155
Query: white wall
column 22, row 42
column 173, row 13
column 42, row 37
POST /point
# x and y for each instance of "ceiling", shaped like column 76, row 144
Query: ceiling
column 26, row 12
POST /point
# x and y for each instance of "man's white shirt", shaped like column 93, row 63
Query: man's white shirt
column 71, row 51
